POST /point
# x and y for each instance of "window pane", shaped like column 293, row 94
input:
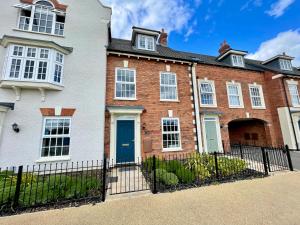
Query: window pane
column 18, row 51
column 42, row 71
column 125, row 84
column 234, row 95
column 29, row 69
column 56, row 140
column 15, row 68
column 206, row 93
column 168, row 86
column 43, row 20
column 294, row 94
column 171, row 133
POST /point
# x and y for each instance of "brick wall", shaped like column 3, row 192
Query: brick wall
column 221, row 75
column 148, row 96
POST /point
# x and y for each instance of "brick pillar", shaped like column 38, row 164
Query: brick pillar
column 271, row 140
column 225, row 137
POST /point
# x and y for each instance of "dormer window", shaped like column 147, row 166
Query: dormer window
column 237, row 60
column 42, row 18
column 285, row 64
column 146, row 42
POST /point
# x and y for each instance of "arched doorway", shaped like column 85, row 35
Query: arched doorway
column 248, row 131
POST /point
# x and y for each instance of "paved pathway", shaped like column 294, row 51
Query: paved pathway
column 269, row 201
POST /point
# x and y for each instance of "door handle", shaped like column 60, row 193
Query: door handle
column 125, row 145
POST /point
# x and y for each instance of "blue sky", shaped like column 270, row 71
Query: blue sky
column 264, row 28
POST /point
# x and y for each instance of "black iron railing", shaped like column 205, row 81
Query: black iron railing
column 34, row 186
column 27, row 187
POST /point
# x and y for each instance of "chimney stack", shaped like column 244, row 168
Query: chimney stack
column 224, row 47
column 163, row 38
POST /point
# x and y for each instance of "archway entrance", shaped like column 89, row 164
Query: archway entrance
column 248, row 131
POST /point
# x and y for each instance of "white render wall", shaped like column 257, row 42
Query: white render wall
column 84, row 86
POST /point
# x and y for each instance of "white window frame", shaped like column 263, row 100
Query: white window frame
column 239, row 61
column 51, row 11
column 51, row 61
column 179, row 148
column 168, row 85
column 261, row 96
column 116, row 74
column 294, row 84
column 148, row 39
column 285, row 64
column 55, row 158
column 212, row 83
column 240, row 94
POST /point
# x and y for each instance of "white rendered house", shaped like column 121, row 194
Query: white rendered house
column 52, row 83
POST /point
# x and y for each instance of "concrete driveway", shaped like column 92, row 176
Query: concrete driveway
column 273, row 200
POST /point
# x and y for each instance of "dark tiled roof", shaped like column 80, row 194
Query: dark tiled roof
column 125, row 46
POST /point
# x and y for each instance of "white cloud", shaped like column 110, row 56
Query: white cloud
column 288, row 41
column 278, row 8
column 173, row 15
column 250, row 3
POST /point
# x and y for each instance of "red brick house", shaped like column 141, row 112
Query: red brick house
column 161, row 101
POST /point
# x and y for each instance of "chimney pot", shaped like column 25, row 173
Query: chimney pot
column 163, row 38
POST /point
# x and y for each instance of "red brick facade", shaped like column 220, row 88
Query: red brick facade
column 247, row 125
column 221, row 75
column 148, row 96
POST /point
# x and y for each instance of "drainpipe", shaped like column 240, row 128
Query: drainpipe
column 290, row 113
column 196, row 108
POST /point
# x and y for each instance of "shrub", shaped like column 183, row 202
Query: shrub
column 197, row 163
column 169, row 179
column 227, row 166
column 185, row 176
column 173, row 165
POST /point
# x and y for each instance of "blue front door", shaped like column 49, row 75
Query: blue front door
column 125, row 141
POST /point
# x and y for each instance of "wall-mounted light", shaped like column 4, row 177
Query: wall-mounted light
column 16, row 128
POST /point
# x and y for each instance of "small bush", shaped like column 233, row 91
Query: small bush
column 173, row 165
column 168, row 179
column 185, row 176
column 227, row 166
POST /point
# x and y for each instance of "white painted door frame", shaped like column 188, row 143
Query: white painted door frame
column 218, row 129
column 113, row 134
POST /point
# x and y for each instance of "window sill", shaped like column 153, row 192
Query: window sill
column 172, row 150
column 125, row 99
column 263, row 107
column 208, row 106
column 53, row 159
column 166, row 100
column 236, row 107
column 35, row 32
